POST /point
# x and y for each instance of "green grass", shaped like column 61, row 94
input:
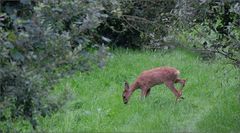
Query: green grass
column 211, row 94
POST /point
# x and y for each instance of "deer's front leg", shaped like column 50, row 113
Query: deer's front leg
column 148, row 92
column 181, row 81
column 145, row 92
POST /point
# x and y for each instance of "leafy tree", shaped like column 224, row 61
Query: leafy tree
column 50, row 41
column 212, row 26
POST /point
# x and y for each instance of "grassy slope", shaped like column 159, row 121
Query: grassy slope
column 211, row 98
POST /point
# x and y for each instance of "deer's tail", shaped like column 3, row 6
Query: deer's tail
column 177, row 72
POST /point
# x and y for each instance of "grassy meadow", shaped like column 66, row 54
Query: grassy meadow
column 211, row 95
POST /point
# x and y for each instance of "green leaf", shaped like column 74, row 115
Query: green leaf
column 17, row 56
column 25, row 2
column 8, row 45
column 11, row 36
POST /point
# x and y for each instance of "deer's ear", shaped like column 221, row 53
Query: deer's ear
column 126, row 85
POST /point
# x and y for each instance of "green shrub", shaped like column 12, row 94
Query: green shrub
column 50, row 42
column 136, row 24
column 213, row 27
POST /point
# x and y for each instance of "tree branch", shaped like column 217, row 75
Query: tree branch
column 139, row 19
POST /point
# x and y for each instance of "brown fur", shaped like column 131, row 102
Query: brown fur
column 149, row 78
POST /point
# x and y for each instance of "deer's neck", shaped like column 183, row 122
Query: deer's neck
column 133, row 87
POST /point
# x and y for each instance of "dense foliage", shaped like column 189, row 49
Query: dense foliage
column 40, row 46
column 139, row 23
column 212, row 26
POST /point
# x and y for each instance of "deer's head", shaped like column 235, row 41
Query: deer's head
column 126, row 93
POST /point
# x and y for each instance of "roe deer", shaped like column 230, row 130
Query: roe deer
column 155, row 76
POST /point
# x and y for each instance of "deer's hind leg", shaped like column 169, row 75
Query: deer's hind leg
column 181, row 81
column 177, row 93
column 171, row 86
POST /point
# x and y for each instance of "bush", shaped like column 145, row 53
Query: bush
column 50, row 42
column 136, row 24
column 213, row 27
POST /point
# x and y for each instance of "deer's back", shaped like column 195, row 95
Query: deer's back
column 157, row 76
